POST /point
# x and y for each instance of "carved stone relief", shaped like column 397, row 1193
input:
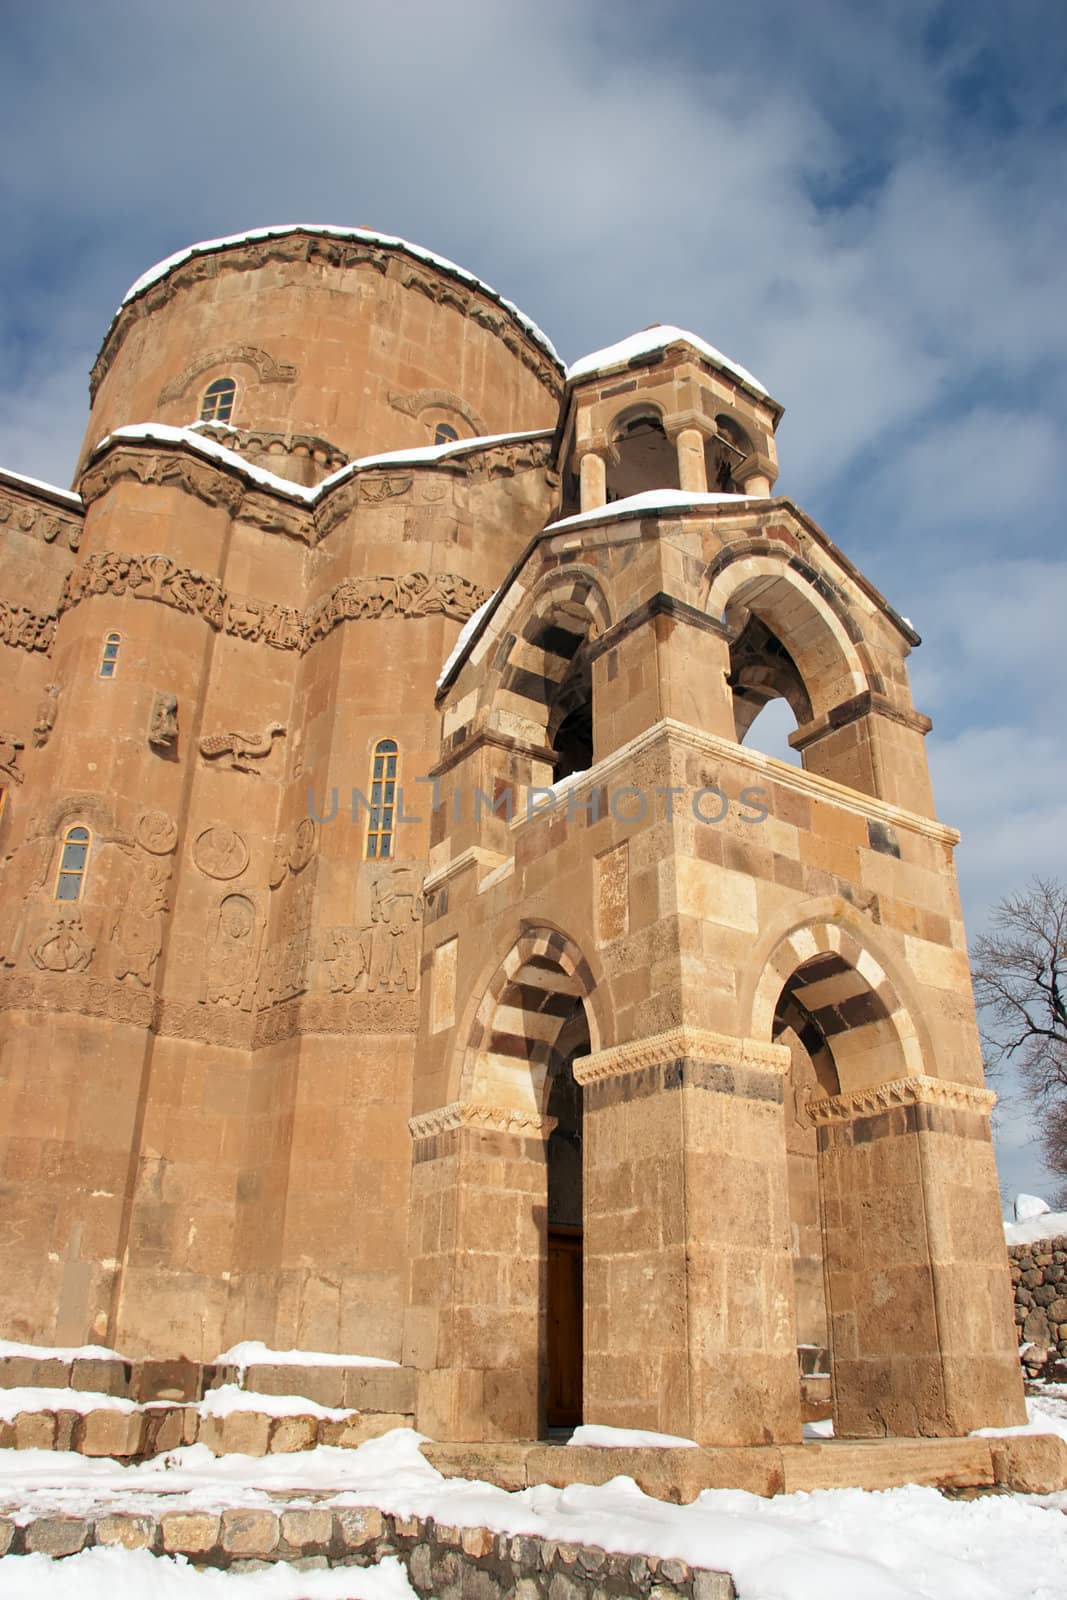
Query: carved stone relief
column 385, row 953
column 266, row 368
column 439, row 400
column 43, row 523
column 156, row 832
column 163, row 722
column 384, row 487
column 137, row 927
column 63, row 945
column 242, row 748
column 25, row 872
column 9, row 757
column 283, row 968
column 230, row 973
column 47, row 710
column 305, row 840
column 220, row 852
column 157, row 577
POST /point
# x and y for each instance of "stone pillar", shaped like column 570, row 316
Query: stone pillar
column 475, row 1324
column 593, row 479
column 922, row 1334
column 689, row 1325
column 757, row 483
column 692, row 466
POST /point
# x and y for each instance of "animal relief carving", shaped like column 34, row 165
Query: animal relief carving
column 242, row 748
column 163, row 723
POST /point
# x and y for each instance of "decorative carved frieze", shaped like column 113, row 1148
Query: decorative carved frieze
column 243, row 749
column 266, row 368
column 499, row 1119
column 917, row 1090
column 41, row 522
column 677, row 1044
column 333, row 252
column 412, row 405
column 384, row 954
column 157, row 577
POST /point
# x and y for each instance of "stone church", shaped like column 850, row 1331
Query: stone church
column 401, row 950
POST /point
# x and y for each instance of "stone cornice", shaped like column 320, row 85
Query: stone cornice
column 917, row 1090
column 27, row 510
column 496, row 1119
column 439, row 281
column 717, row 748
column 677, row 1044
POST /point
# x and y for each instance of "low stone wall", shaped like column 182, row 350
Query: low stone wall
column 1039, row 1278
column 442, row 1563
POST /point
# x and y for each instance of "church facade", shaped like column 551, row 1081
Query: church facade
column 475, row 999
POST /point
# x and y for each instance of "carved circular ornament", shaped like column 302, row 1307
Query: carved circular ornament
column 221, row 852
column 156, row 832
column 304, row 840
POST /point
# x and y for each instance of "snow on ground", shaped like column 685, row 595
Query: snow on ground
column 229, row 1398
column 25, row 1398
column 651, row 500
column 656, row 338
column 841, row 1544
column 252, row 1353
column 136, row 1575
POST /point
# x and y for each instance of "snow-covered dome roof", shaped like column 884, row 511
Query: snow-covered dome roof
column 658, row 337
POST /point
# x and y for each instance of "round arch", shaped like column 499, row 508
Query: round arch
column 852, row 993
column 801, row 610
column 509, row 1048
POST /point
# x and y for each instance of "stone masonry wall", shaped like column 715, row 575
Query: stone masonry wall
column 1039, row 1280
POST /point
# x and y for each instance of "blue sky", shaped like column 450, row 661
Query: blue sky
column 863, row 205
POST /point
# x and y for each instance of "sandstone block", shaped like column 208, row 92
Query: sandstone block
column 56, row 1536
column 35, row 1430
column 712, row 1585
column 250, row 1533
column 1030, row 1463
column 100, row 1377
column 325, row 1385
column 7, row 1535
column 110, row 1433
column 169, row 1427
column 379, row 1389
column 7, row 1435
column 19, row 1372
column 245, row 1433
column 166, row 1380
column 127, row 1531
column 189, row 1533
column 293, row 1433
column 303, row 1528
column 359, row 1526
column 355, row 1430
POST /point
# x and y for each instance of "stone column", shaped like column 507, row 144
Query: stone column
column 593, row 479
column 689, row 1325
column 757, row 483
column 692, row 466
column 475, row 1324
column 921, row 1327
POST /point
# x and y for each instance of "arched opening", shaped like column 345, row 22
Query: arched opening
column 853, row 1241
column 770, row 699
column 723, row 455
column 644, row 458
column 563, row 1252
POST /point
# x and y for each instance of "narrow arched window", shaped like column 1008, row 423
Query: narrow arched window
column 70, row 879
column 383, row 797
column 444, row 433
column 109, row 658
column 217, row 404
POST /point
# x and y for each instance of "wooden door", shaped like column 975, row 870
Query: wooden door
column 563, row 1407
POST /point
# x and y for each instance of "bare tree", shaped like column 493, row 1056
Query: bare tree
column 1020, row 984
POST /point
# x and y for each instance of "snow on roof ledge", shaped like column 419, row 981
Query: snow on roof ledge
column 658, row 338
column 67, row 496
column 330, row 230
column 653, row 500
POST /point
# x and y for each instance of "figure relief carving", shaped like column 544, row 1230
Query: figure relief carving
column 305, row 839
column 230, row 975
column 25, row 873
column 9, row 757
column 283, row 968
column 163, row 722
column 156, row 832
column 346, row 955
column 220, row 852
column 45, row 721
column 137, row 927
column 64, row 945
column 242, row 748
column 279, row 864
column 46, row 525
column 384, row 954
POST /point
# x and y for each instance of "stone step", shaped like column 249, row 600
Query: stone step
column 442, row 1562
column 142, row 1432
column 355, row 1387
